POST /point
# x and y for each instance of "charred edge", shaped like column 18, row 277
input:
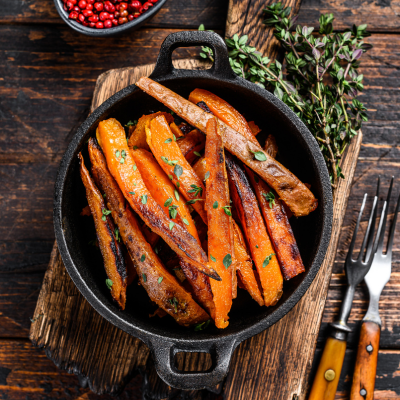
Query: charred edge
column 237, row 174
column 179, row 242
column 221, row 158
column 204, row 107
column 294, row 251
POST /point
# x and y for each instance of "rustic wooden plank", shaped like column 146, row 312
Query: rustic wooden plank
column 381, row 16
column 180, row 14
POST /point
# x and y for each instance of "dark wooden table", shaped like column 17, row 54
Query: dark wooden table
column 47, row 76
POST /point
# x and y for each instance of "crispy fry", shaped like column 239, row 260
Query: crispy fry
column 261, row 249
column 224, row 111
column 254, row 128
column 111, row 137
column 193, row 141
column 171, row 160
column 245, row 266
column 279, row 228
column 200, row 167
column 138, row 137
column 220, row 235
column 163, row 190
column 111, row 251
column 175, row 130
column 270, row 146
column 295, row 194
column 166, row 292
column 243, row 262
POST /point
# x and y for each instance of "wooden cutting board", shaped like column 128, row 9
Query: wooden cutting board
column 272, row 365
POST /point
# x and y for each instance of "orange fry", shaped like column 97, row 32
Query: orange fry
column 220, row 235
column 111, row 137
column 169, row 156
column 261, row 249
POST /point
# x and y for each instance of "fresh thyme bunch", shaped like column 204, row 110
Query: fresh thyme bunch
column 319, row 80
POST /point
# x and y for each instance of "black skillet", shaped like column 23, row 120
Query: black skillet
column 298, row 151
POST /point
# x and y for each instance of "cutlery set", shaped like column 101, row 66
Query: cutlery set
column 375, row 268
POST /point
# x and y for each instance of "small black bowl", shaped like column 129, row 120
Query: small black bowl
column 131, row 25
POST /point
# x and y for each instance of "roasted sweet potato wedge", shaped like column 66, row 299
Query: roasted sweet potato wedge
column 111, row 250
column 270, row 146
column 220, row 235
column 160, row 285
column 175, row 130
column 254, row 128
column 193, row 142
column 163, row 190
column 292, row 191
column 138, row 136
column 169, row 156
column 261, row 249
column 244, row 266
column 224, row 111
column 279, row 228
column 243, row 262
column 111, row 138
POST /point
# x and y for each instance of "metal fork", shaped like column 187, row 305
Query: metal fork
column 378, row 276
column 329, row 369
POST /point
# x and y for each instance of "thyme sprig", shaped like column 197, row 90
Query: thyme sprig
column 318, row 80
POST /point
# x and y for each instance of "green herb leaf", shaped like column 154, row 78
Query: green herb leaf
column 259, row 155
column 227, row 261
column 122, row 160
column 185, row 221
column 134, row 167
column 173, row 212
column 213, row 258
column 170, row 177
column 171, row 225
column 215, row 205
column 109, row 283
column 116, row 232
column 131, row 192
column 178, row 170
column 144, row 198
column 176, row 195
column 193, row 201
column 201, row 326
column 270, row 197
column 160, row 279
column 196, row 153
column 256, row 246
column 267, row 260
column 144, row 277
column 143, row 257
column 169, row 140
column 207, row 175
column 117, row 153
column 168, row 202
column 227, row 210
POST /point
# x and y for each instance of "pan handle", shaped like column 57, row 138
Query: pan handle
column 164, row 352
column 221, row 67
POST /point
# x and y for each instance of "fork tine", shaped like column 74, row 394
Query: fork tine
column 382, row 223
column 375, row 216
column 367, row 236
column 353, row 240
column 393, row 228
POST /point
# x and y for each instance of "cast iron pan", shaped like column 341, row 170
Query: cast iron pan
column 299, row 152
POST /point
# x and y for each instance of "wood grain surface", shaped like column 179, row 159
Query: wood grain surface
column 290, row 350
column 47, row 77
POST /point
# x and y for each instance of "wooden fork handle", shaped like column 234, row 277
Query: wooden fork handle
column 327, row 377
column 367, row 359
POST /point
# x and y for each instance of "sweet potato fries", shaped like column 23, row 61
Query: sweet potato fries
column 230, row 204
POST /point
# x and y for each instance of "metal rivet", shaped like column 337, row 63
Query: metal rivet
column 330, row 375
column 370, row 348
column 363, row 392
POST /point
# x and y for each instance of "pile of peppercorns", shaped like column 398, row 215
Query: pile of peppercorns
column 105, row 14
